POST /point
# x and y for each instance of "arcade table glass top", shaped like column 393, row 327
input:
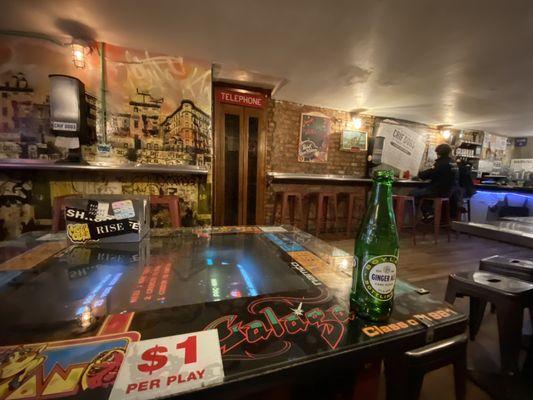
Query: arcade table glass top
column 277, row 296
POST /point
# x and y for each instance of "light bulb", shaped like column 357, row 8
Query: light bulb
column 446, row 134
column 78, row 55
column 85, row 318
column 344, row 264
column 357, row 122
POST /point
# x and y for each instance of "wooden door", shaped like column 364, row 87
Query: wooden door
column 239, row 172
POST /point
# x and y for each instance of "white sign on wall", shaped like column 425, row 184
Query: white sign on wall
column 485, row 166
column 522, row 164
column 403, row 148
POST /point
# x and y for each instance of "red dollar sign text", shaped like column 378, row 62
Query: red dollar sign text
column 154, row 360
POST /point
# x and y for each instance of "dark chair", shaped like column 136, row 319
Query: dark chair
column 405, row 373
column 509, row 295
column 520, row 268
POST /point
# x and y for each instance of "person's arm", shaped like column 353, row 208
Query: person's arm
column 427, row 174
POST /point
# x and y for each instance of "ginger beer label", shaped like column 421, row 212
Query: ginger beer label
column 378, row 275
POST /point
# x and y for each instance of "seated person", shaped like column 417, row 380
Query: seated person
column 443, row 178
column 466, row 182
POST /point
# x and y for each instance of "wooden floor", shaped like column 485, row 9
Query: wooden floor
column 427, row 260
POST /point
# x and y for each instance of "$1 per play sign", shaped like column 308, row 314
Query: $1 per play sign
column 165, row 366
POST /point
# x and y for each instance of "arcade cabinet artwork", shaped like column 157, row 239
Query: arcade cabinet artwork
column 65, row 368
column 16, row 366
column 68, row 116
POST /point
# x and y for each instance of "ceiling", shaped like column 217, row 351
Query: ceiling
column 465, row 63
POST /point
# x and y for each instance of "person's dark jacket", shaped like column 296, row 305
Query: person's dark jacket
column 465, row 180
column 443, row 177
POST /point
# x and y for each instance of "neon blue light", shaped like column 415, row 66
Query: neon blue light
column 115, row 279
column 91, row 296
column 504, row 193
column 209, row 261
column 252, row 291
column 106, row 291
column 98, row 303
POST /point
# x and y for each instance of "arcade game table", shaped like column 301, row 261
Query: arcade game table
column 277, row 296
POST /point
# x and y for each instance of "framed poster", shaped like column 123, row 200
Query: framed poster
column 314, row 132
column 354, row 140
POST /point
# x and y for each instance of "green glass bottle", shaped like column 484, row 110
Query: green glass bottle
column 376, row 254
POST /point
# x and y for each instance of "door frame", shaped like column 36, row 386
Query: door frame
column 219, row 157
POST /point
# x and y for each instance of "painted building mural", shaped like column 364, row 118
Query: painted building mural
column 157, row 111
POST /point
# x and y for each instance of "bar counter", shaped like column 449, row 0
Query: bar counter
column 339, row 179
column 277, row 296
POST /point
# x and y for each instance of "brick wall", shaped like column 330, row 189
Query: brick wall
column 283, row 130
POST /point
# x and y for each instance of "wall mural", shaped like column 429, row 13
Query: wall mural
column 157, row 111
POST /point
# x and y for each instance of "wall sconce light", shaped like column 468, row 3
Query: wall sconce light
column 79, row 51
column 357, row 121
column 445, row 131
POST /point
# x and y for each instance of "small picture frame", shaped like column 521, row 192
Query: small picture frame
column 354, row 141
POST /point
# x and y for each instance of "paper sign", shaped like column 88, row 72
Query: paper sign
column 67, row 142
column 522, row 164
column 102, row 212
column 64, row 126
column 167, row 366
column 123, row 209
column 403, row 148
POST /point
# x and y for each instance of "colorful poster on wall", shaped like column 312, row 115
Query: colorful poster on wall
column 494, row 147
column 158, row 107
column 403, row 147
column 314, row 135
column 353, row 141
column 25, row 66
column 158, row 111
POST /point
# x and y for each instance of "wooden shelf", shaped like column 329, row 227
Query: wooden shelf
column 470, row 143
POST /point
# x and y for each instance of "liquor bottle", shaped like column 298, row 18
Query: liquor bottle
column 376, row 254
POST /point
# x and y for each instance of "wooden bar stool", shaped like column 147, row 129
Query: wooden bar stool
column 441, row 207
column 355, row 207
column 58, row 211
column 400, row 203
column 173, row 203
column 291, row 208
column 325, row 204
